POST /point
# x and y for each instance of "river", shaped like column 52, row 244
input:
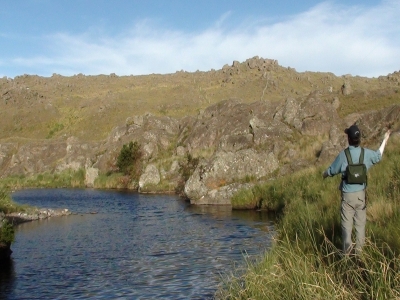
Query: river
column 125, row 245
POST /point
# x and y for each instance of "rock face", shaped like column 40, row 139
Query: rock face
column 211, row 182
column 90, row 176
column 150, row 177
column 234, row 142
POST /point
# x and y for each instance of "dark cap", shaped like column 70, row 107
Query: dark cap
column 353, row 133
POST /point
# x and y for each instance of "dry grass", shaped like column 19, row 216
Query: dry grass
column 90, row 106
column 381, row 209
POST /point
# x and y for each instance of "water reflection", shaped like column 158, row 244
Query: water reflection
column 135, row 247
column 7, row 277
column 260, row 219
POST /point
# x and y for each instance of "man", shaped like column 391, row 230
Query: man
column 353, row 207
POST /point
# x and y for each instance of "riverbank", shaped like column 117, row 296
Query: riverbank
column 305, row 261
column 147, row 246
column 13, row 214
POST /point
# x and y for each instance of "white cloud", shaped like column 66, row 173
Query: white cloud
column 328, row 38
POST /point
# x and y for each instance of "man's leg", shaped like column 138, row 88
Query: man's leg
column 360, row 219
column 347, row 215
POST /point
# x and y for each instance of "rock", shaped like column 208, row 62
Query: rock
column 291, row 113
column 174, row 167
column 310, row 116
column 220, row 196
column 346, row 88
column 336, row 103
column 226, row 167
column 35, row 214
column 151, row 176
column 235, row 142
column 180, row 151
column 150, row 150
column 90, row 176
column 134, row 121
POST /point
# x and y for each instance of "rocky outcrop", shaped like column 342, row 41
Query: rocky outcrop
column 154, row 134
column 234, row 142
column 310, row 116
column 211, row 181
column 150, row 177
column 90, row 176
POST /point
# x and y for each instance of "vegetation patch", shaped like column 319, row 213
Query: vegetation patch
column 305, row 261
column 128, row 161
column 64, row 179
column 55, row 128
column 7, row 233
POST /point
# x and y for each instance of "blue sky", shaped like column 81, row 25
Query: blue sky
column 68, row 37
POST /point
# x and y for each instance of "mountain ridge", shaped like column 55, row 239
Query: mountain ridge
column 88, row 107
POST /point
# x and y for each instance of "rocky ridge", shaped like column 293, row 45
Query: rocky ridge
column 273, row 121
column 236, row 143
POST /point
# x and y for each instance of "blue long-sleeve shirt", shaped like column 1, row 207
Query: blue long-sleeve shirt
column 339, row 165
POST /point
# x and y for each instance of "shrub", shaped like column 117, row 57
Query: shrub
column 6, row 233
column 128, row 161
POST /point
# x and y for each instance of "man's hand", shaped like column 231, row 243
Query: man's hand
column 385, row 139
column 325, row 174
column 387, row 134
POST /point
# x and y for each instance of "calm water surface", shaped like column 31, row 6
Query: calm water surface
column 135, row 247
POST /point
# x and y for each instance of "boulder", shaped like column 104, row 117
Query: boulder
column 310, row 116
column 150, row 177
column 180, row 151
column 225, row 168
column 220, row 196
column 346, row 88
column 90, row 176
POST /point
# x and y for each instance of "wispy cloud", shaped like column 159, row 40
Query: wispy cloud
column 328, row 38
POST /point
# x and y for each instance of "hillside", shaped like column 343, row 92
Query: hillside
column 88, row 107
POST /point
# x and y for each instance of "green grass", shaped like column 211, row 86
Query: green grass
column 305, row 261
column 67, row 178
column 289, row 271
column 7, row 205
column 115, row 181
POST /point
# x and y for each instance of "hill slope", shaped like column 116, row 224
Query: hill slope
column 88, row 107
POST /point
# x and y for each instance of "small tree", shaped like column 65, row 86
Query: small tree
column 6, row 233
column 128, row 161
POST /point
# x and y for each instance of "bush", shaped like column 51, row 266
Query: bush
column 128, row 161
column 6, row 233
